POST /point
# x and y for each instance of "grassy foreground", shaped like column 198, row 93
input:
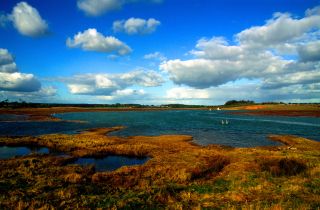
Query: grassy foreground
column 179, row 175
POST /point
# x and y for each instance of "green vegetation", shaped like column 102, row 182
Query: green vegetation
column 239, row 103
column 179, row 175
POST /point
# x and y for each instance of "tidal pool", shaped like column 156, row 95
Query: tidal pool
column 7, row 152
column 110, row 163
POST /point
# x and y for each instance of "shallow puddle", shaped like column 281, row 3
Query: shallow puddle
column 10, row 152
column 110, row 163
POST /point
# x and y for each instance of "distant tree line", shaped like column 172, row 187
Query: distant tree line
column 182, row 106
column 239, row 103
column 23, row 104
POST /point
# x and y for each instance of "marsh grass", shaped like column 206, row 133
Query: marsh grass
column 178, row 175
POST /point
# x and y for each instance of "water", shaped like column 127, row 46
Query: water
column 10, row 117
column 10, row 152
column 110, row 163
column 204, row 126
column 39, row 128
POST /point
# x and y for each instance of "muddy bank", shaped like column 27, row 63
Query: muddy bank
column 301, row 110
column 287, row 113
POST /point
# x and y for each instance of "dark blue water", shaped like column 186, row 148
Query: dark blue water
column 10, row 117
column 204, row 126
column 39, row 128
column 10, row 152
column 110, row 163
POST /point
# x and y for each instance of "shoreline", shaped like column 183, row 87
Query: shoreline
column 286, row 113
column 46, row 114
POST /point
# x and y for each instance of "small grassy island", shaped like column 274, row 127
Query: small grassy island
column 178, row 175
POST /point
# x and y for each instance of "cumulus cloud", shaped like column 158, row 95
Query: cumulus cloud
column 11, row 79
column 111, row 84
column 279, row 30
column 296, row 78
column 18, row 82
column 27, row 20
column 142, row 78
column 155, row 56
column 7, row 63
column 260, row 53
column 248, row 90
column 203, row 73
column 136, row 26
column 92, row 40
column 42, row 95
column 99, row 7
column 125, row 95
column 310, row 51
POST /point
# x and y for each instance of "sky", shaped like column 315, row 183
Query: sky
column 160, row 51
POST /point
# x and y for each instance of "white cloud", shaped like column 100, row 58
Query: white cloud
column 280, row 29
column 45, row 94
column 217, row 48
column 203, row 73
column 28, row 21
column 187, row 93
column 125, row 95
column 47, row 91
column 313, row 11
column 11, row 79
column 136, row 26
column 310, row 51
column 129, row 92
column 248, row 91
column 80, row 89
column 18, row 82
column 156, row 55
column 259, row 54
column 92, row 40
column 111, row 84
column 142, row 78
column 7, row 63
column 296, row 78
column 100, row 7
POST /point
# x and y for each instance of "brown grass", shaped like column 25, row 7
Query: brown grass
column 180, row 174
column 291, row 110
column 283, row 166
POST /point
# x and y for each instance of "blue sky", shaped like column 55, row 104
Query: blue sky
column 163, row 51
